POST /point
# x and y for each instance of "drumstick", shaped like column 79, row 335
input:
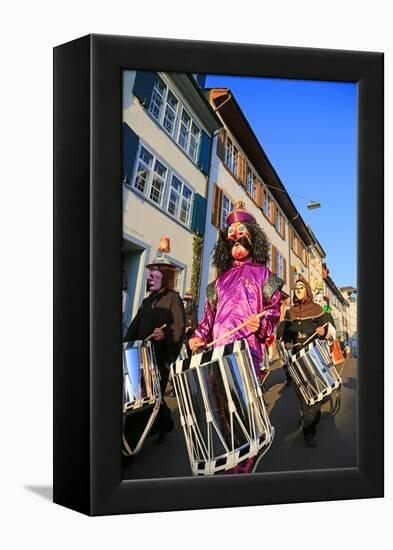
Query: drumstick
column 312, row 335
column 259, row 315
column 148, row 338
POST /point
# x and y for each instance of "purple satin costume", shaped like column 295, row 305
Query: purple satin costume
column 239, row 295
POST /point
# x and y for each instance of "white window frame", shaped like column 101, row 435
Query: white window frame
column 165, row 105
column 279, row 263
column 149, row 182
column 186, row 149
column 278, row 222
column 175, row 133
column 168, row 106
column 159, row 118
column 188, row 212
column 160, row 178
column 267, row 200
column 231, row 156
column 250, row 182
column 150, row 169
column 231, row 207
column 176, row 216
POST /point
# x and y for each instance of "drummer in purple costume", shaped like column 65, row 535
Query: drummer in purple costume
column 244, row 287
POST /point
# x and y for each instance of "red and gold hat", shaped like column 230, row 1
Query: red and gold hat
column 239, row 214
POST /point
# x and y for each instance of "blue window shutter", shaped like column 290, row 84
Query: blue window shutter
column 204, row 153
column 130, row 148
column 199, row 214
column 143, row 86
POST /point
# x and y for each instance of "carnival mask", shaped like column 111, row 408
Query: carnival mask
column 300, row 291
column 240, row 239
column 154, row 279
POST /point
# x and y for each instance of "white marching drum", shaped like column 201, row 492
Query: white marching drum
column 312, row 370
column 141, row 393
column 221, row 408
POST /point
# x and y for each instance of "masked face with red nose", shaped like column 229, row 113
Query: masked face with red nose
column 240, row 239
column 154, row 279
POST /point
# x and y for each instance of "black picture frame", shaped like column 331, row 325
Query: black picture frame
column 87, row 274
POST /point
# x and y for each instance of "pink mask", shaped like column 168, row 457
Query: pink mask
column 154, row 279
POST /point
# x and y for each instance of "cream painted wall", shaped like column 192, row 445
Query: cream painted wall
column 143, row 221
column 146, row 223
column 235, row 192
column 154, row 135
column 352, row 313
column 315, row 269
column 296, row 262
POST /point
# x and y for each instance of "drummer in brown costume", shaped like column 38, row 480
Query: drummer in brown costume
column 161, row 315
column 304, row 319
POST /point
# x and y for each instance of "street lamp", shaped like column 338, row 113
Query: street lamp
column 313, row 205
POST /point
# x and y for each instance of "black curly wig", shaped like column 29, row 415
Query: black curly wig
column 221, row 256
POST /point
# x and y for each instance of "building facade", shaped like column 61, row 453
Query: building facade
column 168, row 128
column 316, row 257
column 338, row 305
column 240, row 170
column 350, row 295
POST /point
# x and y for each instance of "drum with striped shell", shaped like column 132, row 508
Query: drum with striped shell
column 141, row 394
column 221, row 407
column 312, row 370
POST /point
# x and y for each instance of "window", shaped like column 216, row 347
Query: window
column 278, row 222
column 180, row 199
column 189, row 135
column 231, row 156
column 178, row 283
column 174, row 196
column 226, row 207
column 150, row 179
column 184, row 132
column 158, row 182
column 150, row 182
column 185, row 206
column 266, row 205
column 279, row 265
column 164, row 106
column 157, row 99
column 277, row 262
column 170, row 113
column 194, row 141
column 250, row 183
column 144, row 168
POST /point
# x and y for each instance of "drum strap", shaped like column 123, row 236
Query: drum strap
column 127, row 448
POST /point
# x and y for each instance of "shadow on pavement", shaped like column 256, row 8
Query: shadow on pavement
column 44, row 491
column 336, row 436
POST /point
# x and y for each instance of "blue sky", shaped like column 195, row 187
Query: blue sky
column 308, row 131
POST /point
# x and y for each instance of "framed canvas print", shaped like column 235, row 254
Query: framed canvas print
column 218, row 275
